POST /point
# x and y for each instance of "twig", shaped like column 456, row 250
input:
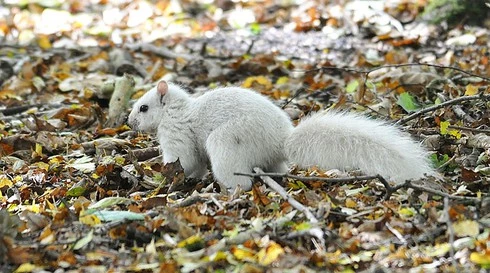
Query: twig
column 18, row 109
column 312, row 178
column 282, row 192
column 295, row 95
column 389, row 189
column 431, row 65
column 396, row 233
column 451, row 231
column 444, row 104
column 409, row 184
column 249, row 49
column 397, row 66
column 217, row 203
column 461, row 114
column 475, row 130
column 447, row 162
column 161, row 51
column 314, row 231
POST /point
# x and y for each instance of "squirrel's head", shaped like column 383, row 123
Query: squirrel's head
column 148, row 111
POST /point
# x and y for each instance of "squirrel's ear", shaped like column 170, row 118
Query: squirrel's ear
column 162, row 88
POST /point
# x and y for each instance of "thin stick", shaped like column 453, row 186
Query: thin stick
column 312, row 178
column 389, row 189
column 282, row 192
column 409, row 184
column 438, row 106
column 450, row 229
column 475, row 130
column 397, row 66
column 314, row 231
column 396, row 233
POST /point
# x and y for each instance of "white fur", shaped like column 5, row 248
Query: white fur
column 236, row 129
column 347, row 141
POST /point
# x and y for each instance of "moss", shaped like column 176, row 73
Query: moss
column 456, row 11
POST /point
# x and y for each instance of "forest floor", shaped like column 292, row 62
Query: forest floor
column 81, row 192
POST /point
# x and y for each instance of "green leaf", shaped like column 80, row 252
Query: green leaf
column 75, row 191
column 352, row 86
column 111, row 216
column 255, row 28
column 437, row 161
column 84, row 241
column 355, row 191
column 371, row 86
column 407, row 102
column 109, row 201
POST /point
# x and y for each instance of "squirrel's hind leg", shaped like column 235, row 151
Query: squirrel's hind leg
column 228, row 157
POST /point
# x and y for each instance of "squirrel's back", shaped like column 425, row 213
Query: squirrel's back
column 343, row 141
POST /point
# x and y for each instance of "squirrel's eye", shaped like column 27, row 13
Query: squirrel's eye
column 143, row 108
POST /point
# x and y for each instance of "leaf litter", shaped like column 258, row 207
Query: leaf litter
column 78, row 193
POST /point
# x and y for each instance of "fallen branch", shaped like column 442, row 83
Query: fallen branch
column 474, row 130
column 389, row 189
column 312, row 178
column 450, row 229
column 398, row 66
column 314, row 231
column 438, row 106
column 123, row 89
column 409, row 184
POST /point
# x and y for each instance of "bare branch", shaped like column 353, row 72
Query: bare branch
column 389, row 189
column 438, row 106
column 314, row 231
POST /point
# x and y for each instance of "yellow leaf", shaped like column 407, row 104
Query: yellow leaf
column 471, row 90
column 46, row 236
column 407, row 212
column 56, row 160
column 261, row 81
column 39, row 149
column 49, row 205
column 43, row 42
column 282, row 80
column 218, row 256
column 243, row 254
column 42, row 165
column 34, row 208
column 438, row 250
column 268, row 255
column 444, row 125
column 90, row 220
column 446, row 131
column 5, row 182
column 455, row 133
column 119, row 160
column 466, row 228
column 350, row 203
column 482, row 259
column 302, row 226
column 189, row 241
column 25, row 267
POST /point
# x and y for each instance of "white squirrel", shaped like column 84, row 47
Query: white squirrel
column 236, row 129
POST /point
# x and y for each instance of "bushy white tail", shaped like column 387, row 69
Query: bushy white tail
column 344, row 141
